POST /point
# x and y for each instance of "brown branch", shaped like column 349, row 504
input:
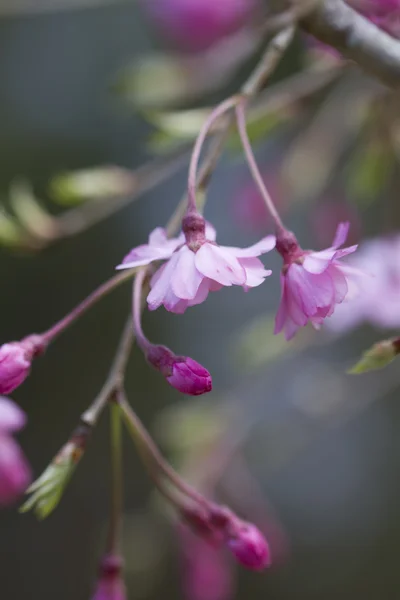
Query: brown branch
column 334, row 23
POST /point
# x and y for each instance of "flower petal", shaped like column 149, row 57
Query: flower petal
column 341, row 234
column 218, row 263
column 186, row 279
column 161, row 292
column 265, row 245
column 12, row 418
column 255, row 272
column 158, row 248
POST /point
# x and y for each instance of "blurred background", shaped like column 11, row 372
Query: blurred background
column 313, row 452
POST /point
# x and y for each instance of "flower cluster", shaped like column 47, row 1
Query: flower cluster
column 313, row 283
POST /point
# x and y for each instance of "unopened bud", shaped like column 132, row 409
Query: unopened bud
column 377, row 357
column 182, row 372
column 249, row 546
column 15, row 361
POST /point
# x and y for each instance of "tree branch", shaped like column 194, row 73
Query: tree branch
column 333, row 22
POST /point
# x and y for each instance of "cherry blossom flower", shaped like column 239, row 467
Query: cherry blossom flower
column 206, row 574
column 378, row 299
column 313, row 283
column 195, row 25
column 196, row 266
column 14, row 471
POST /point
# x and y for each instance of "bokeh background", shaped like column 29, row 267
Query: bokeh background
column 321, row 447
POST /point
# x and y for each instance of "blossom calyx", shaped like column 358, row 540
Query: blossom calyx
column 194, row 228
column 182, row 372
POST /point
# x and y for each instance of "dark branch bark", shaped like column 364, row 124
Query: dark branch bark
column 336, row 24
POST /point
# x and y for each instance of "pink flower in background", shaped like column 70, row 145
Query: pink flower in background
column 327, row 215
column 14, row 471
column 110, row 585
column 313, row 283
column 195, row 25
column 182, row 372
column 378, row 299
column 384, row 13
column 206, row 574
column 249, row 207
column 197, row 267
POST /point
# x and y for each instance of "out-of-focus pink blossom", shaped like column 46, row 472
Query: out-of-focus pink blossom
column 384, row 13
column 326, row 217
column 15, row 473
column 110, row 585
column 206, row 574
column 182, row 372
column 198, row 266
column 249, row 207
column 313, row 283
column 195, row 25
column 377, row 300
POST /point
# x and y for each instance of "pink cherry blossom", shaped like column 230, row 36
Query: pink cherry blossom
column 14, row 471
column 195, row 25
column 377, row 300
column 195, row 268
column 206, row 574
column 313, row 283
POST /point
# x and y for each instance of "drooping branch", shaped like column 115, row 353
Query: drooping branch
column 338, row 25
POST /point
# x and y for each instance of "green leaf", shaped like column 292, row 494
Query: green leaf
column 48, row 489
column 80, row 186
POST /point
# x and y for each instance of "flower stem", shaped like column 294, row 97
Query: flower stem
column 241, row 123
column 104, row 289
column 117, row 479
column 141, row 339
column 152, row 457
column 216, row 113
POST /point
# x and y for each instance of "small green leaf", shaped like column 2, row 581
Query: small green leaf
column 377, row 357
column 76, row 187
column 48, row 489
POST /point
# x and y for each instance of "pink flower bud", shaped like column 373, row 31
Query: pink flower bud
column 15, row 362
column 14, row 471
column 110, row 585
column 182, row 372
column 249, row 546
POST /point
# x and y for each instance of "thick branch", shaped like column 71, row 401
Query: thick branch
column 335, row 23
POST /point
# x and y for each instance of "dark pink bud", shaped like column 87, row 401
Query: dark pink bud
column 249, row 546
column 110, row 585
column 15, row 361
column 182, row 372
